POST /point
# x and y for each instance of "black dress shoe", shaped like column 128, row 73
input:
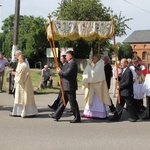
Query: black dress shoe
column 133, row 120
column 52, row 107
column 14, row 115
column 75, row 121
column 83, row 116
column 113, row 119
column 146, row 118
column 51, row 116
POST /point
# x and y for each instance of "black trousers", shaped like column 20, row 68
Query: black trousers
column 71, row 97
column 112, row 107
column 130, row 105
column 50, row 83
column 148, row 106
column 57, row 101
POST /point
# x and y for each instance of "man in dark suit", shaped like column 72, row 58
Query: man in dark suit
column 55, row 105
column 69, row 83
column 108, row 75
column 126, row 94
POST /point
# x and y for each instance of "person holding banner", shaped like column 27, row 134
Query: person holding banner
column 126, row 94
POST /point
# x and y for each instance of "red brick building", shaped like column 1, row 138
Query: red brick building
column 140, row 43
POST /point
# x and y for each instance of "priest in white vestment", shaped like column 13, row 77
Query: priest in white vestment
column 96, row 90
column 24, row 104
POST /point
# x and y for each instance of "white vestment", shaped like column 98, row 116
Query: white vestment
column 146, row 85
column 96, row 91
column 24, row 104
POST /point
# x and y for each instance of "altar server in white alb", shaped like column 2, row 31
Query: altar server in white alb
column 137, row 90
column 96, row 90
column 146, row 89
column 24, row 104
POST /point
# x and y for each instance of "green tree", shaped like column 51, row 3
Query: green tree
column 31, row 40
column 89, row 10
column 125, row 51
column 120, row 24
column 7, row 35
column 1, row 42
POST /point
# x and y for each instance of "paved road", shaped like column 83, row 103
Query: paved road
column 43, row 133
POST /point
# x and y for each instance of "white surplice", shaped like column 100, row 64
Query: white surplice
column 96, row 91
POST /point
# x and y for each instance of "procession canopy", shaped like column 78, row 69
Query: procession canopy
column 86, row 30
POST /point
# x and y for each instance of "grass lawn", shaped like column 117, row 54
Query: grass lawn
column 36, row 78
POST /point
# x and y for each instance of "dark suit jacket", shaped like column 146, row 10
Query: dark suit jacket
column 64, row 66
column 108, row 74
column 126, row 83
column 69, row 76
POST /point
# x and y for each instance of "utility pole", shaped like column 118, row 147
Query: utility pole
column 16, row 28
column 14, row 47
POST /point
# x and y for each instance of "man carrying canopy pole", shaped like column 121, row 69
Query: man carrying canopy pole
column 126, row 94
column 52, row 45
column 69, row 82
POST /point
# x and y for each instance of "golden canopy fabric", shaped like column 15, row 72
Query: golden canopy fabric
column 87, row 30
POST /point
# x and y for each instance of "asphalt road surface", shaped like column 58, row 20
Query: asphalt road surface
column 43, row 133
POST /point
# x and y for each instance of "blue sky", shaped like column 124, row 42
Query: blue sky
column 140, row 17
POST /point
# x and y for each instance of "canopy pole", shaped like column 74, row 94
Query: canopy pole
column 115, row 53
column 99, row 46
column 147, row 65
column 52, row 45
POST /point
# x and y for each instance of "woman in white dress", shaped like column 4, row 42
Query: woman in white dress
column 24, row 104
column 96, row 90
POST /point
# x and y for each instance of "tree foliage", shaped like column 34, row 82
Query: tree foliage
column 89, row 10
column 125, row 51
column 31, row 39
column 32, row 35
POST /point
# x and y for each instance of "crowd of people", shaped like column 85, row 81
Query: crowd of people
column 130, row 79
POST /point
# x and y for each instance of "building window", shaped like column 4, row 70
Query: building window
column 134, row 46
column 144, row 46
column 134, row 54
column 144, row 56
